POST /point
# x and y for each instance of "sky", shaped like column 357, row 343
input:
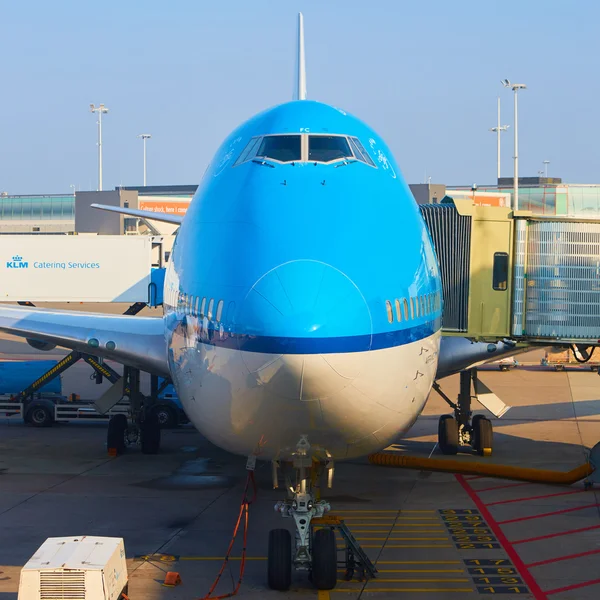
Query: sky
column 425, row 74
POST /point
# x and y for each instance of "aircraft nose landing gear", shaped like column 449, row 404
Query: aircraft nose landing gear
column 315, row 553
column 459, row 429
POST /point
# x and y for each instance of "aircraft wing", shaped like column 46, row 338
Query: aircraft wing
column 142, row 214
column 135, row 341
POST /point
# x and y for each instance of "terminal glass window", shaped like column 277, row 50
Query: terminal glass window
column 500, row 273
column 284, row 148
column 327, row 148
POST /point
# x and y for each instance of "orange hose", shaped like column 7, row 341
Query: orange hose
column 481, row 468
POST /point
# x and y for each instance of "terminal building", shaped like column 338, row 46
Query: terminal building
column 541, row 195
column 71, row 213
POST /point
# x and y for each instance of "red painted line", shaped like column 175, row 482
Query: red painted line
column 501, row 487
column 559, row 558
column 470, row 477
column 553, row 535
column 575, row 586
column 548, row 514
column 531, row 583
column 536, row 497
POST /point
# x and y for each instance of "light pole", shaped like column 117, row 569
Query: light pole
column 101, row 109
column 72, row 186
column 144, row 136
column 546, row 163
column 515, row 87
column 498, row 130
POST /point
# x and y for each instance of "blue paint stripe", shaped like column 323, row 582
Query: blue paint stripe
column 328, row 345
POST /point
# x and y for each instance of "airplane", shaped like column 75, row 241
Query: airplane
column 303, row 309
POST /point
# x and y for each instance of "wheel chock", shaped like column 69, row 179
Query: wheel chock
column 172, row 579
column 587, row 470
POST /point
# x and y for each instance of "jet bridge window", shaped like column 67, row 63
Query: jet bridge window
column 327, row 148
column 500, row 273
column 284, row 148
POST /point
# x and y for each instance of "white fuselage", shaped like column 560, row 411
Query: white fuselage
column 348, row 404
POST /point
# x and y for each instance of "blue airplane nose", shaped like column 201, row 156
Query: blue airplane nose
column 306, row 307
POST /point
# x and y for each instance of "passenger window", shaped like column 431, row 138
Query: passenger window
column 360, row 152
column 203, row 307
column 388, row 307
column 405, row 303
column 197, row 303
column 412, row 308
column 398, row 312
column 284, row 148
column 249, row 151
column 211, row 305
column 219, row 310
column 326, row 148
column 500, row 275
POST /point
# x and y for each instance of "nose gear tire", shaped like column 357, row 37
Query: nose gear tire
column 324, row 559
column 483, row 435
column 115, row 436
column 279, row 560
column 150, row 434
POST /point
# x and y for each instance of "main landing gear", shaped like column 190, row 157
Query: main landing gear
column 459, row 429
column 143, row 426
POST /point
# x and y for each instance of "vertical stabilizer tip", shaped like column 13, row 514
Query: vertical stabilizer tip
column 300, row 93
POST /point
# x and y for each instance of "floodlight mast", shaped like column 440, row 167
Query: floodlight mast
column 144, row 137
column 498, row 130
column 101, row 109
column 515, row 87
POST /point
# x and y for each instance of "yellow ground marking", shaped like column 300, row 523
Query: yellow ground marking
column 400, row 539
column 221, row 558
column 411, row 580
column 398, row 531
column 419, row 562
column 345, row 512
column 366, row 518
column 403, row 546
column 323, row 595
column 406, row 590
column 461, row 571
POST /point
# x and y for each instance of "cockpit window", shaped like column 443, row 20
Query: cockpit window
column 326, row 148
column 284, row 148
column 304, row 148
column 249, row 151
column 360, row 152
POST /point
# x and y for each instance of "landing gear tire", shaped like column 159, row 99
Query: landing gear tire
column 166, row 417
column 324, row 559
column 115, row 436
column 279, row 560
column 150, row 434
column 448, row 434
column 483, row 435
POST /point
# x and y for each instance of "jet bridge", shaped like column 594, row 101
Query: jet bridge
column 510, row 279
column 514, row 275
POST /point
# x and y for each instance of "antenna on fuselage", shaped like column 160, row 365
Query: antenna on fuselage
column 300, row 92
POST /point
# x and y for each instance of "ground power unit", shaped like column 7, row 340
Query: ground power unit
column 76, row 568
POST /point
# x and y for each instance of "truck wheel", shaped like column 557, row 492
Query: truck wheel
column 165, row 415
column 40, row 415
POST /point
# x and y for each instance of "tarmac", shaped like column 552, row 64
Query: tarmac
column 431, row 535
